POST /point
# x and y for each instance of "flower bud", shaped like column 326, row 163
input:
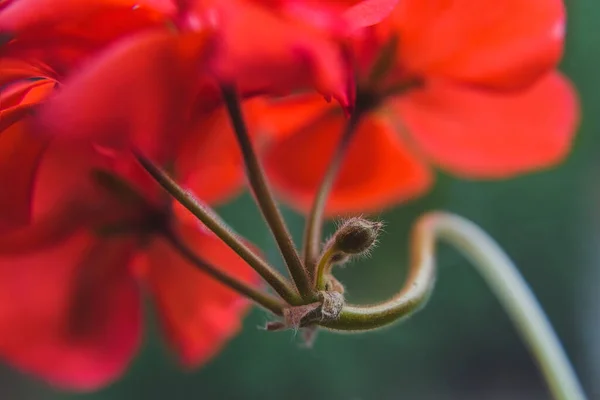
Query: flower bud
column 356, row 235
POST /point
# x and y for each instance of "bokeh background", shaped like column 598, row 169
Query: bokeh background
column 462, row 345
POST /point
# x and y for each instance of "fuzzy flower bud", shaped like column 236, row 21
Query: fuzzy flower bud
column 356, row 235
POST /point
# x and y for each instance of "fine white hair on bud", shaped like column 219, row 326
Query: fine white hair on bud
column 356, row 235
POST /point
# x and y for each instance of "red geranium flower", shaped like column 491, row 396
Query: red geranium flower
column 72, row 254
column 153, row 89
column 144, row 90
column 69, row 280
column 267, row 47
column 65, row 32
column 47, row 40
column 285, row 50
column 473, row 92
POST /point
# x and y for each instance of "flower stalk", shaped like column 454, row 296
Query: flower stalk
column 264, row 197
column 314, row 222
column 263, row 299
column 219, row 228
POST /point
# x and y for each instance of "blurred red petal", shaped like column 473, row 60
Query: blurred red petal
column 210, row 163
column 24, row 92
column 508, row 44
column 66, row 42
column 67, row 179
column 198, row 314
column 64, row 178
column 38, row 14
column 26, row 96
column 12, row 70
column 368, row 12
column 283, row 117
column 378, row 170
column 482, row 134
column 20, row 154
column 69, row 313
column 135, row 93
column 281, row 54
column 20, row 151
column 45, row 232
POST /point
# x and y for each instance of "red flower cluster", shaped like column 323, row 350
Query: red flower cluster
column 462, row 84
column 83, row 83
column 87, row 85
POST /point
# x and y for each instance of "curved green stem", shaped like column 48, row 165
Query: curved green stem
column 323, row 267
column 501, row 275
column 265, row 300
column 265, row 198
column 219, row 228
column 314, row 221
column 412, row 296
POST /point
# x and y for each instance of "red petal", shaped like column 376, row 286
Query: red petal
column 198, row 314
column 369, row 12
column 210, row 163
column 26, row 92
column 281, row 55
column 67, row 179
column 20, row 154
column 480, row 134
column 12, row 70
column 138, row 92
column 20, row 151
column 65, row 41
column 38, row 14
column 507, row 44
column 285, row 116
column 378, row 170
column 69, row 313
column 27, row 98
column 64, row 177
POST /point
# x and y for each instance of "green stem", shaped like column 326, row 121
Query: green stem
column 323, row 267
column 219, row 228
column 314, row 221
column 411, row 297
column 501, row 275
column 264, row 197
column 265, row 300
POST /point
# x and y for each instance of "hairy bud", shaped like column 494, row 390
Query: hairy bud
column 356, row 235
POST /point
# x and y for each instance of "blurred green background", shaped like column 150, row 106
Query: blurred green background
column 461, row 346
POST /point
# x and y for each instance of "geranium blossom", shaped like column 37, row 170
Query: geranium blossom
column 73, row 252
column 85, row 220
column 116, row 122
column 155, row 88
column 70, row 279
column 65, row 33
column 469, row 88
column 285, row 50
column 30, row 86
column 74, row 249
